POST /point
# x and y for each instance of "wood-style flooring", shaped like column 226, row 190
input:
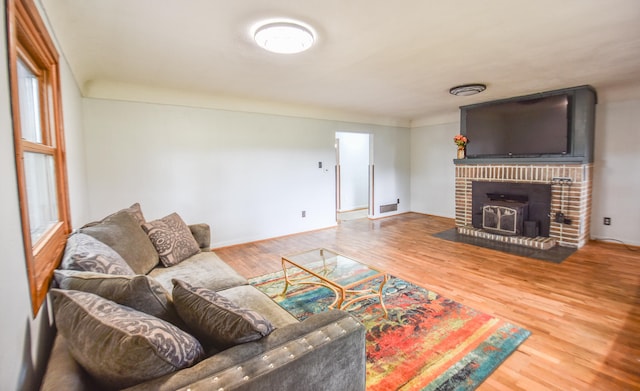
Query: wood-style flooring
column 584, row 314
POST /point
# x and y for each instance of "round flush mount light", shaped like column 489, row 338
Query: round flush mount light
column 467, row 89
column 284, row 37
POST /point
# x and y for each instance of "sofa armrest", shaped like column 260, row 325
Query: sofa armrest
column 323, row 352
column 63, row 372
column 202, row 233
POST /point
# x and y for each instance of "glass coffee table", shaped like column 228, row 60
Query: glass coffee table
column 334, row 271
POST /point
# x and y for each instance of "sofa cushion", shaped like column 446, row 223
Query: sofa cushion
column 215, row 320
column 86, row 253
column 139, row 292
column 63, row 372
column 202, row 234
column 121, row 232
column 268, row 364
column 172, row 238
column 136, row 212
column 253, row 299
column 204, row 269
column 117, row 345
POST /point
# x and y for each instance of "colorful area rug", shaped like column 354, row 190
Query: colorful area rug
column 428, row 342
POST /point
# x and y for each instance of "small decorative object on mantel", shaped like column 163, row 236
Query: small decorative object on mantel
column 461, row 141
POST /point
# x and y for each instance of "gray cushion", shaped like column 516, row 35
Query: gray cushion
column 136, row 212
column 253, row 299
column 215, row 320
column 172, row 239
column 63, row 372
column 121, row 232
column 86, row 253
column 139, row 292
column 117, row 345
column 205, row 270
column 202, row 234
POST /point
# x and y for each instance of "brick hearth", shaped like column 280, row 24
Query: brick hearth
column 576, row 203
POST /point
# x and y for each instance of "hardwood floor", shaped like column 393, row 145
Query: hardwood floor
column 584, row 314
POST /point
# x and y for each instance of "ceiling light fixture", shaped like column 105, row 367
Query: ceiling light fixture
column 467, row 89
column 284, row 37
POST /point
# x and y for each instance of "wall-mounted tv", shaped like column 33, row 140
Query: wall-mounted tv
column 532, row 126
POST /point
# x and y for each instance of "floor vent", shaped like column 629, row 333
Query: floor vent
column 388, row 208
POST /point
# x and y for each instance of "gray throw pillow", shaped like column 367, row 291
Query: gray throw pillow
column 172, row 239
column 121, row 232
column 136, row 211
column 85, row 253
column 214, row 319
column 117, row 345
column 139, row 292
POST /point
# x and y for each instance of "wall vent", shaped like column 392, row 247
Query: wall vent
column 388, row 208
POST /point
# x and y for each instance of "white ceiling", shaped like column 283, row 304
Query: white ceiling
column 378, row 58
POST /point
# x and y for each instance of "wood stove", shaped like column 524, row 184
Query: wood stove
column 505, row 208
column 504, row 217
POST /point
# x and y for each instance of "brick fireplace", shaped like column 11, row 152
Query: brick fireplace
column 570, row 206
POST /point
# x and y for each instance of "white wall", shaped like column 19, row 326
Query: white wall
column 16, row 338
column 247, row 175
column 392, row 164
column 432, row 169
column 74, row 141
column 616, row 184
column 25, row 339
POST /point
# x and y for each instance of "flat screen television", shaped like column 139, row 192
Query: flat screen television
column 526, row 127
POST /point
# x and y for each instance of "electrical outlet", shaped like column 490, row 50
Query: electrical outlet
column 304, row 213
column 398, row 201
column 607, row 221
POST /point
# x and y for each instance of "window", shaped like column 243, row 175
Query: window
column 39, row 145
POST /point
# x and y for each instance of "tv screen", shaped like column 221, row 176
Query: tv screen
column 531, row 127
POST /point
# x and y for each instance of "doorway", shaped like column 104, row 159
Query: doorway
column 353, row 168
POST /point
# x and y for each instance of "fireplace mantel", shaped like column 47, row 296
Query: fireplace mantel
column 522, row 160
column 570, row 192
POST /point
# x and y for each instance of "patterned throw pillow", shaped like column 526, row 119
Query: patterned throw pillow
column 140, row 292
column 117, row 345
column 85, row 253
column 172, row 239
column 215, row 320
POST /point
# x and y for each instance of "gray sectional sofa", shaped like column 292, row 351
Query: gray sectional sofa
column 147, row 306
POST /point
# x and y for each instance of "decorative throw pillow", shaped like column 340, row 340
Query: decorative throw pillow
column 85, row 253
column 121, row 232
column 139, row 292
column 117, row 345
column 172, row 238
column 214, row 319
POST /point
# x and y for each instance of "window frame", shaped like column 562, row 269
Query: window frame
column 29, row 41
